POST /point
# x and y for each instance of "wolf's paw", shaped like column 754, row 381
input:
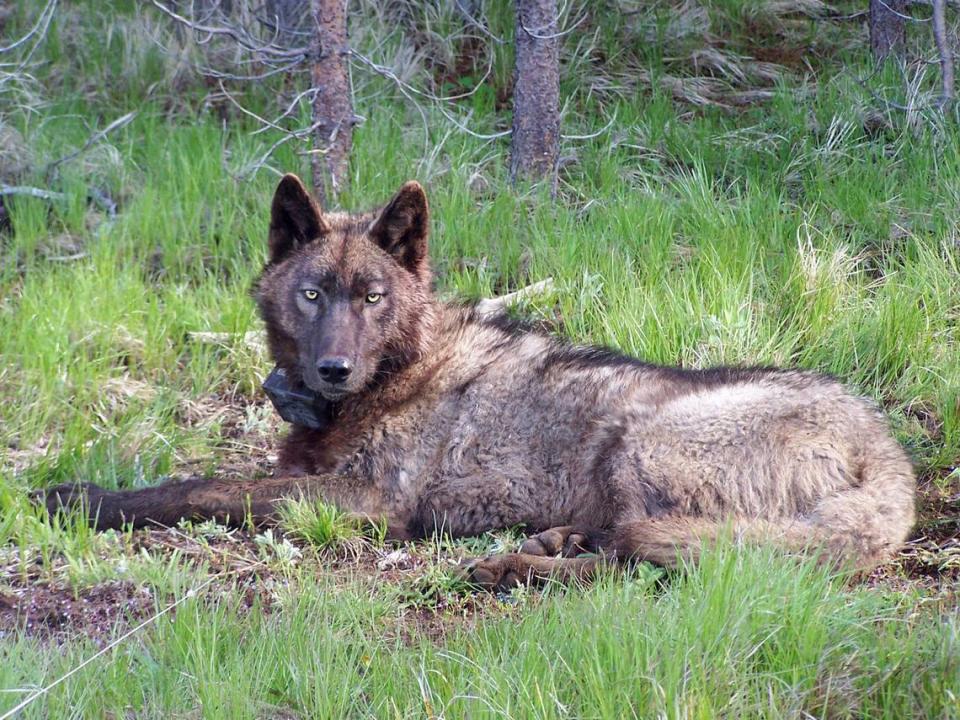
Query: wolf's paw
column 564, row 541
column 497, row 573
column 504, row 572
column 68, row 496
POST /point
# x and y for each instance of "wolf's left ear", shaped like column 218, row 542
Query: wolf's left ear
column 403, row 226
column 295, row 218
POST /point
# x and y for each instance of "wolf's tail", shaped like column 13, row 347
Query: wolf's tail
column 858, row 527
column 669, row 541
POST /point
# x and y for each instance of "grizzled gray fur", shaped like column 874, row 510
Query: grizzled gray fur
column 448, row 420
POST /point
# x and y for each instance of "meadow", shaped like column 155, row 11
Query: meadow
column 733, row 189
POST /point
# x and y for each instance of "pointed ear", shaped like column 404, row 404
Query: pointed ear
column 295, row 218
column 403, row 226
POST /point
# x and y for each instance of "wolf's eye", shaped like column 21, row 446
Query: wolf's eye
column 373, row 298
column 311, row 295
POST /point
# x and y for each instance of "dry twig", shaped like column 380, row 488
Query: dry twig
column 239, row 35
column 98, row 135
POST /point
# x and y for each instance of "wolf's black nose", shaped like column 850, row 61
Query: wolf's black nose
column 334, row 370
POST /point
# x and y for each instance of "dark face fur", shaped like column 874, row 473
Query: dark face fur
column 342, row 295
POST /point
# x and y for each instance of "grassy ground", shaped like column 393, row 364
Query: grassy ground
column 815, row 228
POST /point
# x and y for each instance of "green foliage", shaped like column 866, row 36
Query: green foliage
column 745, row 634
column 814, row 229
column 325, row 526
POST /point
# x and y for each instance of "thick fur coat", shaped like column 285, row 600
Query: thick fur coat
column 447, row 420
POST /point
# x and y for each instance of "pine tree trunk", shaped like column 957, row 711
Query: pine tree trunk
column 887, row 28
column 536, row 93
column 945, row 52
column 332, row 106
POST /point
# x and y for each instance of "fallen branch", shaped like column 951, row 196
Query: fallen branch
column 488, row 307
column 31, row 192
column 494, row 306
column 99, row 135
column 254, row 339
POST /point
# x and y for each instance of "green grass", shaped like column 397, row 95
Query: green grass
column 743, row 635
column 791, row 233
column 325, row 526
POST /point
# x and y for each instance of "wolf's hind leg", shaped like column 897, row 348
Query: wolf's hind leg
column 503, row 572
column 566, row 540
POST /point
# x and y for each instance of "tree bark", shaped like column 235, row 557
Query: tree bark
column 944, row 50
column 535, row 144
column 887, row 28
column 332, row 105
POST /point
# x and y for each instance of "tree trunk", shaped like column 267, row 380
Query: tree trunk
column 536, row 92
column 332, row 106
column 887, row 28
column 944, row 50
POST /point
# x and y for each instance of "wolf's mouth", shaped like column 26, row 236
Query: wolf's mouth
column 332, row 394
column 325, row 390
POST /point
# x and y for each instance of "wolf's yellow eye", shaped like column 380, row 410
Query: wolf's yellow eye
column 374, row 298
column 311, row 295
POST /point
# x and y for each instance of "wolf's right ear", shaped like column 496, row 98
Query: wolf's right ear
column 402, row 227
column 295, row 218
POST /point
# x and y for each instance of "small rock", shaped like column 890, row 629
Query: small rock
column 394, row 559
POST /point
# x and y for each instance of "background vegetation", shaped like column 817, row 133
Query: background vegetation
column 752, row 200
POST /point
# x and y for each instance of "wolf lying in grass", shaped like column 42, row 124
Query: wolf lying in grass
column 448, row 420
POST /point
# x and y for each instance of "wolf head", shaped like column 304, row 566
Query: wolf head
column 344, row 296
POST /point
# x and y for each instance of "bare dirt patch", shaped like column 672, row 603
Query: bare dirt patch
column 47, row 611
column 428, row 608
column 930, row 560
column 252, row 571
column 933, row 554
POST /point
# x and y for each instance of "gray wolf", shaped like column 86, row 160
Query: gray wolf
column 447, row 420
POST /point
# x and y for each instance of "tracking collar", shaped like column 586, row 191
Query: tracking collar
column 297, row 404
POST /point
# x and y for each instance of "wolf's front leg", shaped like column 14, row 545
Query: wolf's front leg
column 232, row 502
